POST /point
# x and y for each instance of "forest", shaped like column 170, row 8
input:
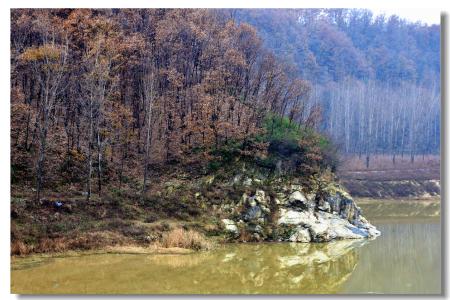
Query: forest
column 102, row 96
column 105, row 94
column 377, row 78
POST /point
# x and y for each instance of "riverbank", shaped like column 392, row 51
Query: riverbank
column 81, row 231
column 32, row 260
column 393, row 216
column 236, row 202
column 358, row 266
column 388, row 189
column 192, row 214
column 374, row 209
column 385, row 180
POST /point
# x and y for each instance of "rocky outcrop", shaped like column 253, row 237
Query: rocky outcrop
column 291, row 214
column 230, row 226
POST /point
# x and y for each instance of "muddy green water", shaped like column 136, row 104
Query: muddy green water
column 405, row 259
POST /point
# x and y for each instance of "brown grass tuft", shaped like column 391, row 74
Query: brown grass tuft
column 188, row 239
column 47, row 245
column 384, row 162
column 19, row 248
column 382, row 168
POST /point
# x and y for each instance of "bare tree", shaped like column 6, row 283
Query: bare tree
column 148, row 82
column 48, row 63
column 97, row 84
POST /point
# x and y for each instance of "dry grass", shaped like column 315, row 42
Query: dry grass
column 384, row 162
column 245, row 237
column 20, row 248
column 46, row 245
column 86, row 241
column 188, row 239
column 381, row 167
column 52, row 245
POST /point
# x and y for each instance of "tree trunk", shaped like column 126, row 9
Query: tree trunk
column 99, row 165
column 148, row 137
column 88, row 192
column 40, row 164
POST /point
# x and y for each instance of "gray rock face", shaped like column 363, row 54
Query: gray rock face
column 297, row 199
column 251, row 201
column 324, row 226
column 253, row 213
column 334, row 202
column 332, row 215
column 230, row 226
column 294, row 217
column 248, row 182
column 342, row 204
column 301, row 235
column 260, row 197
column 320, row 232
column 348, row 209
column 324, row 206
column 255, row 229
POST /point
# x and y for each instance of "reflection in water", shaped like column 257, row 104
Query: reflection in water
column 271, row 268
column 406, row 258
column 240, row 268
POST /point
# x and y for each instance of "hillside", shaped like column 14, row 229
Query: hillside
column 109, row 97
column 172, row 126
column 137, row 127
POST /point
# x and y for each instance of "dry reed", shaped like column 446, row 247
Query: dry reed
column 188, row 239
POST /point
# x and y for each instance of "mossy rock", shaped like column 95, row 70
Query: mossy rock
column 284, row 231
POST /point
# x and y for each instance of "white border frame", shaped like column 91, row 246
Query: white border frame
column 6, row 5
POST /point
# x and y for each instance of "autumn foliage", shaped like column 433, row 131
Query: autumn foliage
column 104, row 96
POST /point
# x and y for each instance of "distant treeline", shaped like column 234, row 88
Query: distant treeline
column 376, row 77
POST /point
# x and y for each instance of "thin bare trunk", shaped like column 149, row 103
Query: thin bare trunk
column 99, row 164
column 88, row 196
column 148, row 91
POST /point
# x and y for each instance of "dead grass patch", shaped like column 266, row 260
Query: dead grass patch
column 20, row 248
column 86, row 241
column 188, row 239
column 384, row 162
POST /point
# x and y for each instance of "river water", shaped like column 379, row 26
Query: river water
column 406, row 258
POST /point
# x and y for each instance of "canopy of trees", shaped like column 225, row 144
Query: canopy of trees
column 106, row 95
column 101, row 95
column 377, row 78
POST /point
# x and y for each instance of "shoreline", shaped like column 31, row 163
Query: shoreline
column 398, row 199
column 22, row 261
column 18, row 262
column 378, row 210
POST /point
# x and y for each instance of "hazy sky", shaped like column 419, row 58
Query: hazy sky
column 425, row 15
